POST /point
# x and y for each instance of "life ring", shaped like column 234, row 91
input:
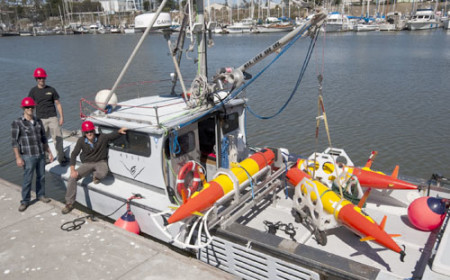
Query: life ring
column 197, row 177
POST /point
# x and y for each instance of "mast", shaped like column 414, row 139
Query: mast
column 368, row 7
column 133, row 54
column 201, row 39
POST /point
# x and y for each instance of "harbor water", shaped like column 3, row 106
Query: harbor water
column 383, row 91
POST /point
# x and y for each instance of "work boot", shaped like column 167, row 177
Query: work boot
column 23, row 207
column 67, row 209
column 44, row 199
column 95, row 180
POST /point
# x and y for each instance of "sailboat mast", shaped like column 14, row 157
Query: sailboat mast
column 368, row 7
column 201, row 39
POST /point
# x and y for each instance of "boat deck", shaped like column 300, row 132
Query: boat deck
column 343, row 251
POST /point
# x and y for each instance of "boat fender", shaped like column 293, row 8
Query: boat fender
column 427, row 213
column 101, row 100
column 196, row 171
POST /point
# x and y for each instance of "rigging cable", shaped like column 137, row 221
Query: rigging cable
column 297, row 84
column 244, row 86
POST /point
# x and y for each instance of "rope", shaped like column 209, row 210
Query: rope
column 175, row 148
column 297, row 84
column 249, row 178
column 240, row 89
column 78, row 222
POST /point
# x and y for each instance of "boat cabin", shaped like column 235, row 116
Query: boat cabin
column 164, row 134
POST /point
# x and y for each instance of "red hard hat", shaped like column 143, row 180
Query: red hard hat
column 40, row 73
column 28, row 102
column 87, row 126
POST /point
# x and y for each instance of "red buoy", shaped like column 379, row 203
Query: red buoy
column 128, row 222
column 427, row 213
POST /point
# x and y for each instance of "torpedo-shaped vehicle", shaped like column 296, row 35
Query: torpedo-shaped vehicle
column 344, row 211
column 327, row 168
column 223, row 184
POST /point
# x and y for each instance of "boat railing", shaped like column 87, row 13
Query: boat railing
column 86, row 108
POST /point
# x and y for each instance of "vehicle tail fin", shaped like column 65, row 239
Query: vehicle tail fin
column 383, row 222
column 364, row 198
column 367, row 238
column 371, row 238
column 371, row 159
column 395, row 172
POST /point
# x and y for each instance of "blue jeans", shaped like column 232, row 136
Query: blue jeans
column 33, row 163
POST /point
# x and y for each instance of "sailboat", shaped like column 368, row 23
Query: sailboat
column 201, row 188
column 366, row 23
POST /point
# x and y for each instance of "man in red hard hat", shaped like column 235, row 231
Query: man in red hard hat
column 29, row 145
column 48, row 103
column 94, row 158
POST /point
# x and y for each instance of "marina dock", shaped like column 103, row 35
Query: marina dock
column 33, row 246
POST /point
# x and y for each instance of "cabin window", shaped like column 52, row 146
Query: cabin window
column 180, row 145
column 133, row 142
column 230, row 123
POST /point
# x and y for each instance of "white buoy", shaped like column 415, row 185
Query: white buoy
column 100, row 99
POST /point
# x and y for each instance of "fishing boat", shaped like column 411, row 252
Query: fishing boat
column 364, row 26
column 273, row 25
column 395, row 21
column 244, row 26
column 187, row 173
column 423, row 19
column 337, row 22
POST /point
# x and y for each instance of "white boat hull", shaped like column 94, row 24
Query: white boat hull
column 238, row 30
column 333, row 27
column 110, row 195
column 262, row 29
column 387, row 27
column 417, row 25
column 366, row 27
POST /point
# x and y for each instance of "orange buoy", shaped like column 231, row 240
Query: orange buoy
column 128, row 221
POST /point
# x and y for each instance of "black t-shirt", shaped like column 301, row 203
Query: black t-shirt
column 45, row 101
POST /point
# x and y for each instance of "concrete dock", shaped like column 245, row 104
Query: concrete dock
column 33, row 246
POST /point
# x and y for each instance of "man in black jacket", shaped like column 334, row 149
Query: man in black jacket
column 94, row 158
